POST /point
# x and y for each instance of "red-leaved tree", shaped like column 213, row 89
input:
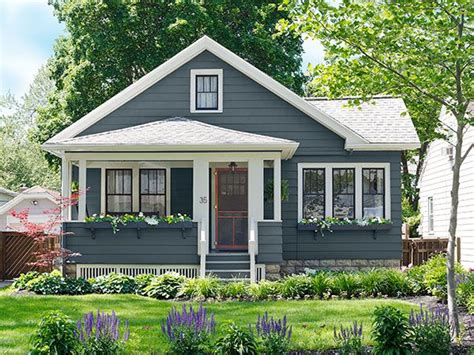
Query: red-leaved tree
column 47, row 235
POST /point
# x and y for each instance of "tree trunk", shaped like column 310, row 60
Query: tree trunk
column 453, row 221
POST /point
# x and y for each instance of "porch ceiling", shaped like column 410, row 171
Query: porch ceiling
column 175, row 134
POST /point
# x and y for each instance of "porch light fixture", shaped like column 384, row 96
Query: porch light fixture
column 34, row 202
column 232, row 166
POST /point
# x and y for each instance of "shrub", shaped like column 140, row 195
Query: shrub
column 396, row 283
column 238, row 289
column 142, row 282
column 189, row 332
column 263, row 290
column 346, row 284
column 349, row 340
column 464, row 289
column 51, row 283
column 114, row 283
column 435, row 278
column 390, row 331
column 416, row 280
column 275, row 334
column 201, row 288
column 470, row 305
column 296, row 286
column 55, row 335
column 430, row 331
column 321, row 284
column 77, row 286
column 165, row 286
column 20, row 282
column 236, row 341
column 101, row 335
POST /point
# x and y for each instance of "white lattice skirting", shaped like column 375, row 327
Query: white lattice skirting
column 88, row 271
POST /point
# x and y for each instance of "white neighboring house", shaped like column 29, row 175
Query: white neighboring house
column 6, row 195
column 37, row 200
column 435, row 190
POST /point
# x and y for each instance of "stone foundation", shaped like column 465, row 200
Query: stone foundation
column 290, row 267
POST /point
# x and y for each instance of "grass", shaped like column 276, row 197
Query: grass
column 313, row 321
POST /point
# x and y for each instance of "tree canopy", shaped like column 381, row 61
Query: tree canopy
column 109, row 45
column 22, row 162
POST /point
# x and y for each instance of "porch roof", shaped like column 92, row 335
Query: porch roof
column 174, row 134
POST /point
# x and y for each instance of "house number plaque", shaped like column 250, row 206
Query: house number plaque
column 203, row 200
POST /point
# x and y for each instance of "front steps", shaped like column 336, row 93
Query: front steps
column 228, row 266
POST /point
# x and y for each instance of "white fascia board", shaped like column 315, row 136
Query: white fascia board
column 206, row 43
column 382, row 146
column 287, row 149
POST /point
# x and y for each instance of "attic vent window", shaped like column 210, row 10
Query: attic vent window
column 206, row 91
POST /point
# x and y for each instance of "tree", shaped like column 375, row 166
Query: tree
column 22, row 162
column 423, row 47
column 46, row 236
column 111, row 44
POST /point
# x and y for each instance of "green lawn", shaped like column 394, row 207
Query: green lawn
column 312, row 321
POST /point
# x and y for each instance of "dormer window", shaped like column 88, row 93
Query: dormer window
column 206, row 90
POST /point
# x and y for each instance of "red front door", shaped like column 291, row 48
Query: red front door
column 231, row 209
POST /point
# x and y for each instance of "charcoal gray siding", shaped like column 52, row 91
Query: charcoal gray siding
column 250, row 107
column 182, row 191
column 298, row 245
column 270, row 243
column 155, row 246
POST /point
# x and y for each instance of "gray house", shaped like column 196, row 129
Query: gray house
column 209, row 135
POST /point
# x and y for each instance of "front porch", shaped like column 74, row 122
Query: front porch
column 234, row 232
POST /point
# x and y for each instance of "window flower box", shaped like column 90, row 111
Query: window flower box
column 331, row 224
column 345, row 227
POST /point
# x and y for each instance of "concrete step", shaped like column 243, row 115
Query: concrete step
column 228, row 257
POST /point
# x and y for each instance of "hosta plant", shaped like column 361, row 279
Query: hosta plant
column 189, row 331
column 114, row 283
column 165, row 286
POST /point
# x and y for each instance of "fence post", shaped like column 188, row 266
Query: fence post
column 2, row 257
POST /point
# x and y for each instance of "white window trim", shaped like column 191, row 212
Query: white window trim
column 220, row 89
column 358, row 185
column 135, row 183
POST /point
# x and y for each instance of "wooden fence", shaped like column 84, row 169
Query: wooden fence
column 16, row 254
column 417, row 250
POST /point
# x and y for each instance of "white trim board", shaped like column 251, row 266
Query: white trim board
column 201, row 45
column 358, row 185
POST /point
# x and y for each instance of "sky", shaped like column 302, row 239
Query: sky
column 28, row 30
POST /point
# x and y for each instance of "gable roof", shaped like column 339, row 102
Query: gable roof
column 8, row 192
column 207, row 44
column 35, row 192
column 176, row 134
column 383, row 121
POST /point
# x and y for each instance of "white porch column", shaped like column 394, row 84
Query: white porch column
column 277, row 189
column 66, row 186
column 82, row 189
column 201, row 201
column 255, row 189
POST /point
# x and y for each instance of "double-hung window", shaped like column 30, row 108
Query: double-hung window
column 206, row 90
column 314, row 186
column 343, row 188
column 119, row 191
column 153, row 191
column 373, row 192
column 430, row 215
